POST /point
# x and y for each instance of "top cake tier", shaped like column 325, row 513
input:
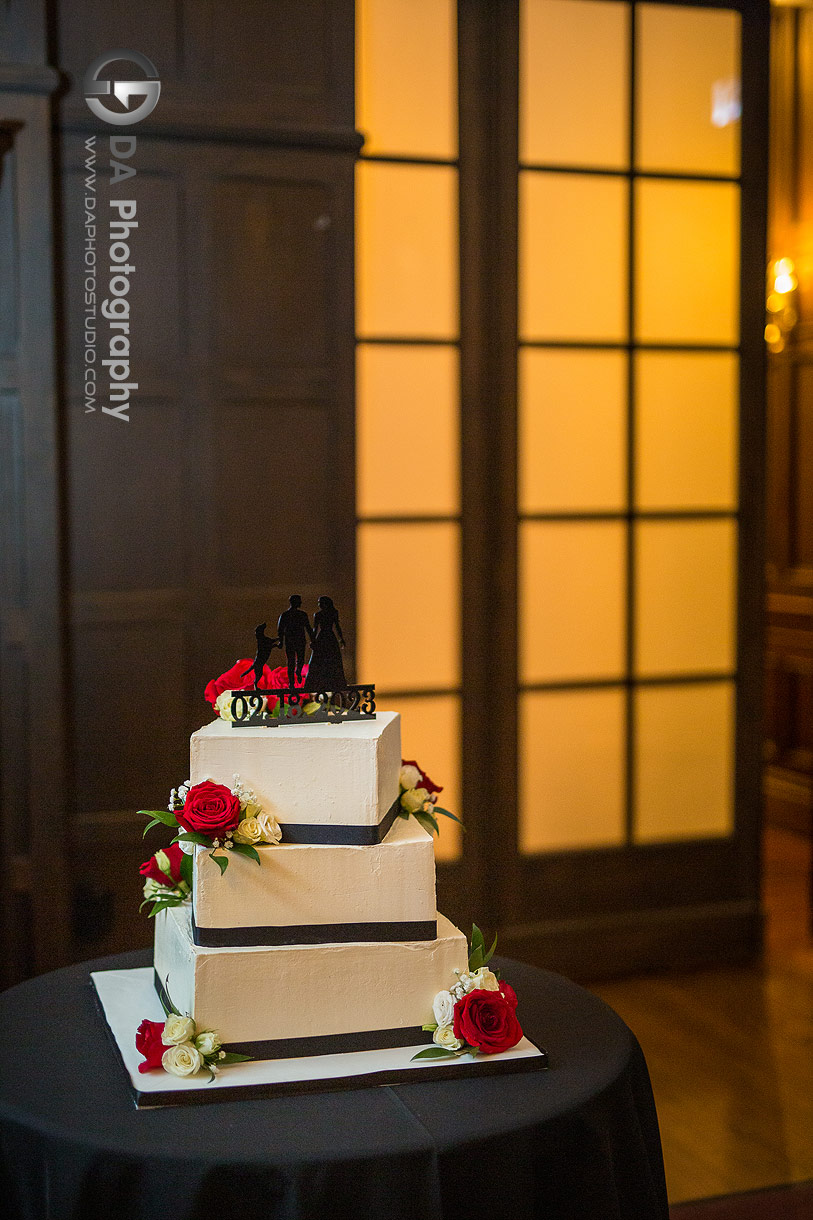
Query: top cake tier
column 325, row 783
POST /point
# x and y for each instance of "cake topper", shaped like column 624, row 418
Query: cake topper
column 316, row 692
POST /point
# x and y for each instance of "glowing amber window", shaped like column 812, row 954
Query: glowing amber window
column 407, row 251
column 687, row 410
column 572, row 256
column 687, row 262
column 407, row 421
column 572, row 789
column 572, row 590
column 572, row 430
column 430, row 734
column 687, row 89
column 685, row 596
column 564, row 44
column 684, row 771
column 408, row 605
column 407, row 76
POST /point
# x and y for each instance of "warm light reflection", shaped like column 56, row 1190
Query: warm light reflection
column 781, row 303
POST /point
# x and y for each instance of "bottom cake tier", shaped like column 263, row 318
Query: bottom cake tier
column 289, row 1000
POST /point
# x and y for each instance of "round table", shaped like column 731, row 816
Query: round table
column 577, row 1142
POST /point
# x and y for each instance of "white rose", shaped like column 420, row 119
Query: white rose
column 271, row 831
column 186, row 847
column 178, row 1029
column 162, row 860
column 223, row 705
column 409, row 777
column 413, row 801
column 153, row 890
column 208, row 1042
column 248, row 831
column 443, row 1008
column 182, row 1060
column 482, row 980
column 445, row 1036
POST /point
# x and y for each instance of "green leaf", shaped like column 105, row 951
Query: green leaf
column 233, row 1057
column 186, row 869
column 192, row 836
column 428, row 821
column 245, row 849
column 160, row 815
column 490, row 953
column 478, row 948
column 169, row 1008
column 164, row 904
column 447, row 814
column 430, row 1027
column 222, row 862
column 435, row 1052
column 477, row 938
column 475, row 959
column 149, row 826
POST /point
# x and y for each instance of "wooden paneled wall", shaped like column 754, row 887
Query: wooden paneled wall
column 232, row 484
column 789, row 707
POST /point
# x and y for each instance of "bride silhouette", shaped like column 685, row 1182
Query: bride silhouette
column 326, row 671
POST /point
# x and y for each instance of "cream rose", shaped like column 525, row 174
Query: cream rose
column 444, row 1036
column 152, row 889
column 443, row 1008
column 182, row 1060
column 208, row 1042
column 223, row 705
column 271, row 831
column 248, row 831
column 482, row 980
column 409, row 777
column 178, row 1029
column 414, row 800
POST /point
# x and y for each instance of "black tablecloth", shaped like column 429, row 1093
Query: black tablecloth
column 578, row 1142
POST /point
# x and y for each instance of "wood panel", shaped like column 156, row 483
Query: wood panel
column 789, row 528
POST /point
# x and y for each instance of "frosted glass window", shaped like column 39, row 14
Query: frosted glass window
column 407, row 76
column 572, row 430
column 684, row 773
column 430, row 733
column 686, row 430
column 574, row 66
column 685, row 596
column 407, row 250
column 572, row 579
column 407, row 430
column 688, row 89
column 408, row 605
column 572, row 786
column 572, row 256
column 687, row 262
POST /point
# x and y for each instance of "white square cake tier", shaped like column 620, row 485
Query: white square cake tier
column 293, row 993
column 332, row 775
column 303, row 892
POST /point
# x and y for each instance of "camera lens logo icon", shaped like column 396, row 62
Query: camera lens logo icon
column 123, row 90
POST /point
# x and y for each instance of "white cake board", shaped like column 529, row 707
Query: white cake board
column 128, row 996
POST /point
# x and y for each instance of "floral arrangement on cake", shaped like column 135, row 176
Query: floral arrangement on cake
column 208, row 815
column 419, row 797
column 478, row 1014
column 241, row 677
column 180, row 1048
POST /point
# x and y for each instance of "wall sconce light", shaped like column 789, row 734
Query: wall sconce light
column 780, row 304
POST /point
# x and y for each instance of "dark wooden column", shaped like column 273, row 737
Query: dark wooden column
column 33, row 787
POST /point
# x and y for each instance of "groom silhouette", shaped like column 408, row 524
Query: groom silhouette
column 292, row 628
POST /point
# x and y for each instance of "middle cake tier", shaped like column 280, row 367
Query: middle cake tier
column 304, row 893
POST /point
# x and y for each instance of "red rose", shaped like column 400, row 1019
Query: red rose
column 150, row 867
column 279, row 681
column 236, row 678
column 487, row 1020
column 150, row 1044
column 508, row 993
column 425, row 780
column 210, row 809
